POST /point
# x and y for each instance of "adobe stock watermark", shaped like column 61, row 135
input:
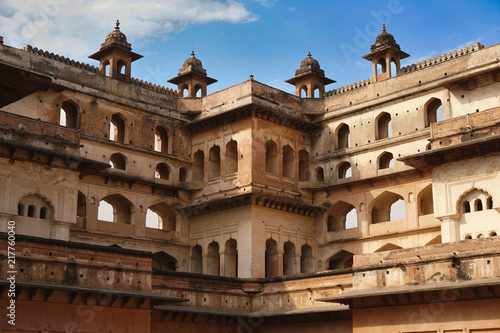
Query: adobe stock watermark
column 364, row 38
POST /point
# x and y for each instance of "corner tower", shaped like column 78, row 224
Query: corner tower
column 309, row 77
column 383, row 53
column 116, row 53
column 192, row 77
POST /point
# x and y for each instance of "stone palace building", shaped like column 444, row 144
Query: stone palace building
column 137, row 208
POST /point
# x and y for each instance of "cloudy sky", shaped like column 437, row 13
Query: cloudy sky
column 236, row 38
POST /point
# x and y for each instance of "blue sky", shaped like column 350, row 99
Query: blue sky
column 267, row 38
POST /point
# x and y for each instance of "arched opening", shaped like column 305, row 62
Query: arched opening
column 394, row 69
column 306, row 259
column 388, row 207
column 271, row 260
column 32, row 211
column 182, row 175
column 162, row 261
column 161, row 139
column 105, row 67
column 425, row 201
column 342, row 216
column 467, row 237
column 272, row 157
column 121, row 67
column 341, row 259
column 466, row 207
column 115, row 208
column 196, row 259
column 316, row 92
column 388, row 247
column 304, row 165
column 289, row 259
column 231, row 162
column 214, row 163
column 433, row 111
column 344, row 170
column 213, row 259
column 343, row 137
column 384, row 128
column 117, row 128
column 118, row 161
column 81, row 206
column 492, row 234
column 288, row 162
column 198, row 166
column 385, row 161
column 303, row 91
column 184, row 90
column 231, row 258
column 198, row 90
column 162, row 171
column 161, row 216
column 68, row 114
column 381, row 67
column 478, row 205
column 319, row 174
column 474, row 200
column 489, row 203
column 37, row 207
column 43, row 213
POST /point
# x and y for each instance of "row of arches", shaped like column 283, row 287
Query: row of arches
column 162, row 170
column 118, row 133
column 288, row 257
column 288, row 159
column 34, row 206
column 386, row 207
column 68, row 117
column 344, row 169
column 118, row 209
column 433, row 112
column 344, row 259
column 213, row 256
column 214, row 162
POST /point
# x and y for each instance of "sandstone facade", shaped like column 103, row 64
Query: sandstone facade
column 137, row 208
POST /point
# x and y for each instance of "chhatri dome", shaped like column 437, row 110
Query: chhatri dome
column 192, row 64
column 384, row 40
column 116, row 37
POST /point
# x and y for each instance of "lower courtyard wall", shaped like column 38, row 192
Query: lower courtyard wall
column 466, row 316
column 33, row 316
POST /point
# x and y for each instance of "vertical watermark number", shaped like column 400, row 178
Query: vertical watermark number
column 11, row 272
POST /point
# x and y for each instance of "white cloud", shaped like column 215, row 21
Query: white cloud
column 77, row 28
column 266, row 3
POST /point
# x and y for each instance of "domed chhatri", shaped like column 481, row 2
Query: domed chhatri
column 116, row 53
column 384, row 52
column 192, row 78
column 117, row 37
column 385, row 39
column 309, row 64
column 191, row 64
column 309, row 78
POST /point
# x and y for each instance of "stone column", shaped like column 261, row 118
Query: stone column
column 222, row 263
column 60, row 230
column 447, row 114
column 450, row 228
column 388, row 65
